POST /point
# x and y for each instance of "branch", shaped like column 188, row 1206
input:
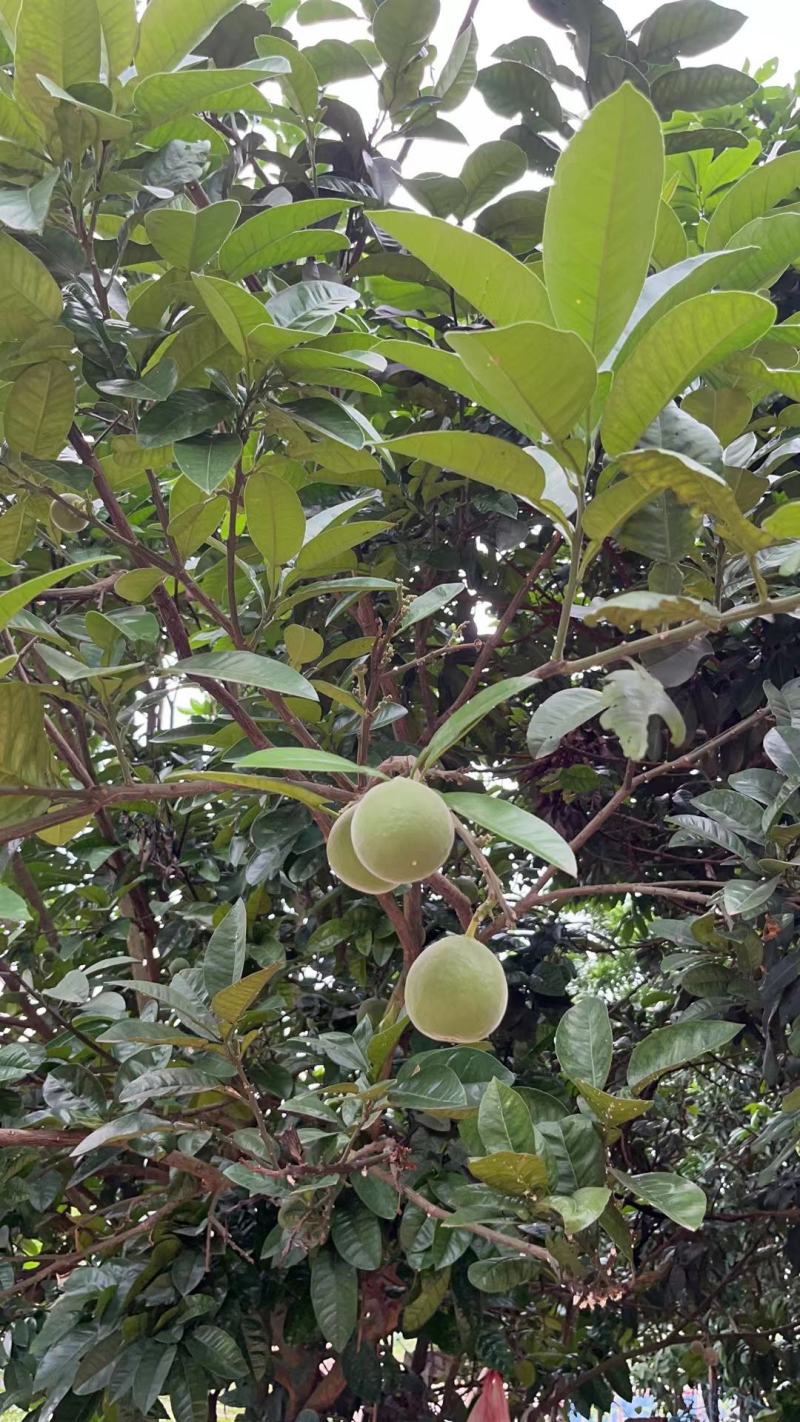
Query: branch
column 505, row 1241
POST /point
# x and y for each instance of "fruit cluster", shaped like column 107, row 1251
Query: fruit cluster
column 400, row 832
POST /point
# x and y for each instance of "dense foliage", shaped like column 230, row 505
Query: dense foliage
column 302, row 490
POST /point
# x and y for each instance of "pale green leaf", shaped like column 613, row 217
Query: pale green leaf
column 518, row 826
column 275, row 518
column 40, row 409
column 632, row 696
column 584, row 1045
column 245, row 669
column 223, row 960
column 169, row 29
column 580, row 1210
column 668, row 1048
column 601, row 216
column 534, row 377
column 680, row 1200
column 757, row 193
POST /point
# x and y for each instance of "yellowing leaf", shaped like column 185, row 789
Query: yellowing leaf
column 231, row 1003
column 40, row 409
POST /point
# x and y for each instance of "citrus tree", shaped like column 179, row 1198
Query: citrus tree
column 399, row 715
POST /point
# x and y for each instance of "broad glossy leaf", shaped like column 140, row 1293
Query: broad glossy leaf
column 319, row 762
column 18, row 1059
column 601, row 217
column 169, row 29
column 356, row 1235
column 428, row 604
column 120, row 28
column 461, row 722
column 208, row 460
column 515, row 1173
column 183, row 415
column 13, row 909
column 275, row 518
column 442, row 366
column 669, row 288
column 671, row 1047
column 231, row 1003
column 489, row 169
column 612, row 1110
column 400, row 29
column 582, row 1209
column 125, row 1127
column 679, row 346
column 755, row 194
column 26, row 209
column 432, row 1286
column 511, row 87
column 776, row 240
column 40, row 408
column 534, row 377
column 651, row 471
column 57, row 38
column 300, row 84
column 748, row 896
column 247, row 669
column 223, row 960
column 561, row 713
column 490, row 279
column 519, row 826
column 245, row 250
column 499, row 1273
column 434, row 1088
column 498, row 463
column 504, row 1121
column 29, row 297
column 190, row 239
column 577, row 1151
column 686, row 27
column 680, row 1200
column 162, row 98
column 584, row 1044
column 217, row 1351
column 334, row 1296
column 708, row 86
column 13, row 601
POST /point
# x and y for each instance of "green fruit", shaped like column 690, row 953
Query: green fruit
column 456, row 990
column 346, row 864
column 402, row 830
column 68, row 512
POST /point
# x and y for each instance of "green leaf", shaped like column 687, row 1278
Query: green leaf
column 487, row 460
column 356, row 1235
column 13, row 909
column 580, row 1210
column 489, row 169
column 333, row 60
column 504, row 1121
column 652, row 471
column 710, row 86
column 223, row 961
column 13, row 601
column 156, row 383
column 671, row 1047
column 207, row 461
column 534, row 377
column 120, row 29
column 511, row 87
column 57, row 38
column 26, row 209
column 666, row 289
column 162, row 98
column 191, row 528
column 561, row 713
column 601, row 217
column 171, row 1081
column 490, row 279
column 400, row 29
column 433, row 1286
column 611, row 1110
column 686, row 27
column 509, row 822
column 29, row 296
column 300, row 84
column 459, row 71
column 231, row 1003
column 334, row 1296
column 319, row 762
column 169, row 29
column 680, row 1200
column 245, row 669
column 755, row 194
column 40, row 408
column 435, row 364
column 187, row 1386
column 632, row 696
column 184, row 414
column 217, row 1352
column 429, row 603
column 248, row 248
column 461, row 722
column 775, row 241
column 190, row 239
column 435, row 1089
column 679, row 346
column 584, row 1044
column 18, row 1059
column 577, row 1151
column 747, row 896
column 134, row 1123
column 513, row 1172
column 498, row 1274
column 275, row 518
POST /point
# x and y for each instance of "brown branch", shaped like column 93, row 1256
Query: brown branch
column 504, row 1241
column 25, row 880
column 452, row 895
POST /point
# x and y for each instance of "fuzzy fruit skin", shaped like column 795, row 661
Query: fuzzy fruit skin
column 345, row 863
column 402, row 830
column 456, row 990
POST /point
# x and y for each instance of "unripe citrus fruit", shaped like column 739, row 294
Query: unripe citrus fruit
column 68, row 513
column 346, row 864
column 456, row 990
column 402, row 830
